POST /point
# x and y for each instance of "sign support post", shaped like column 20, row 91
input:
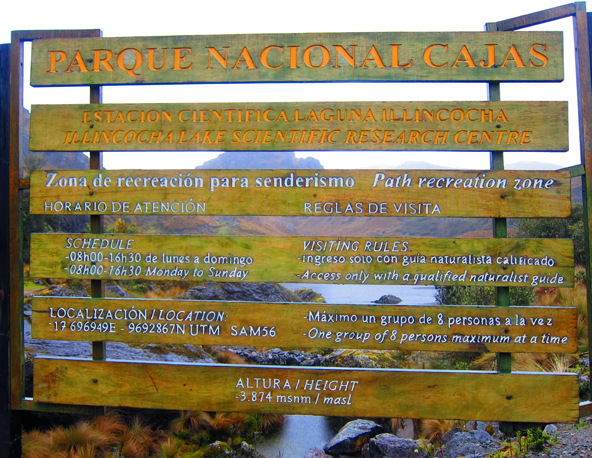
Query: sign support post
column 10, row 428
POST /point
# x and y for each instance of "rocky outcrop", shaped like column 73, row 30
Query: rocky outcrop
column 372, row 359
column 390, row 446
column 260, row 160
column 446, row 437
column 116, row 291
column 316, row 453
column 308, row 295
column 277, row 357
column 352, row 437
column 258, row 292
column 476, row 442
column 63, row 291
column 388, row 299
column 222, row 450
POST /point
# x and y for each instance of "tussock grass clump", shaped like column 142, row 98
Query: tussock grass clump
column 110, row 436
column 569, row 297
column 224, row 356
column 36, row 445
column 191, row 421
column 434, row 429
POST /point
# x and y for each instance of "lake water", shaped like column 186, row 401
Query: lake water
column 365, row 294
column 300, row 433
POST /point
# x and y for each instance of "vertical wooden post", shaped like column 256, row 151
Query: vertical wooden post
column 97, row 287
column 17, row 357
column 583, row 69
column 500, row 225
column 10, row 427
column 500, row 230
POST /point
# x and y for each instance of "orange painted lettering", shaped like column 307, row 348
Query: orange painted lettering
column 457, row 136
column 538, row 55
column 351, row 59
column 214, row 52
column 513, row 137
column 413, row 137
column 427, row 56
column 55, row 57
column 105, row 60
column 395, row 58
column 324, row 53
column 490, row 57
column 137, row 62
column 351, row 136
column 78, row 61
column 464, row 57
column 264, row 54
column 373, row 56
column 293, row 56
column 515, row 57
column 525, row 137
column 473, row 137
column 151, row 65
column 181, row 58
column 245, row 58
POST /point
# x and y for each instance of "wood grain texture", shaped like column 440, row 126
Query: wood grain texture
column 302, row 126
column 424, row 328
column 384, row 393
column 485, row 262
column 345, row 193
column 390, row 56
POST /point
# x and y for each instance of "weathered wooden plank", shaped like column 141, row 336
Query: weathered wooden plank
column 425, row 328
column 421, row 261
column 302, row 126
column 347, row 193
column 352, row 392
column 389, row 56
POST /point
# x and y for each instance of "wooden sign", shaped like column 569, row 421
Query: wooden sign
column 389, row 56
column 302, row 126
column 360, row 260
column 309, row 391
column 423, row 328
column 405, row 193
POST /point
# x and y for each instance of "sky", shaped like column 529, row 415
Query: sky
column 156, row 18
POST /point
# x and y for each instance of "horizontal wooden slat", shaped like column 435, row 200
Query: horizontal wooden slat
column 302, row 126
column 389, row 56
column 585, row 409
column 428, row 328
column 539, row 17
column 503, row 262
column 575, row 170
column 405, row 193
column 311, row 391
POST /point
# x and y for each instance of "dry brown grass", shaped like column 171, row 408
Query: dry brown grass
column 173, row 291
column 272, row 420
column 169, row 448
column 83, row 439
column 224, row 356
column 137, row 440
column 530, row 362
column 36, row 445
column 191, row 421
column 435, row 429
column 569, row 297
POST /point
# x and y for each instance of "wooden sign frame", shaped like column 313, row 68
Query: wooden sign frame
column 319, row 57
column 302, row 126
column 10, row 283
column 346, row 193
